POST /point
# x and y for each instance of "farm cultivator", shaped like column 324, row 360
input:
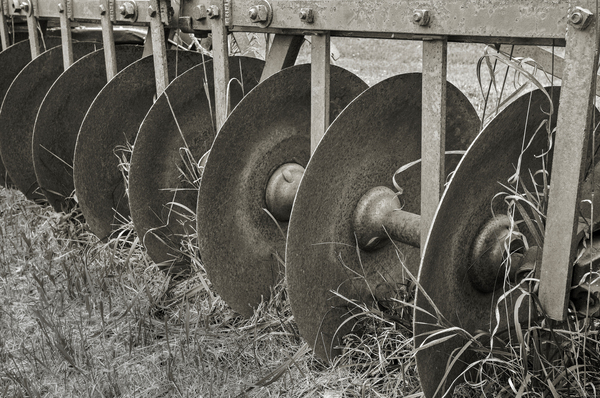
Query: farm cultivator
column 308, row 174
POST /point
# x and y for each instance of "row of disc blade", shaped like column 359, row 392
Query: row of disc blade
column 68, row 137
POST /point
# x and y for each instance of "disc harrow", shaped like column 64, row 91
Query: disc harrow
column 383, row 195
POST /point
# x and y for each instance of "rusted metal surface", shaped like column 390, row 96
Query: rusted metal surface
column 4, row 38
column 19, row 111
column 573, row 130
column 468, row 204
column 433, row 127
column 159, row 49
column 379, row 216
column 216, row 15
column 106, row 13
column 59, row 119
column 281, row 190
column 241, row 246
column 107, row 131
column 12, row 60
column 491, row 20
column 282, row 54
column 175, row 134
column 65, row 35
column 32, row 28
column 320, row 53
column 374, row 136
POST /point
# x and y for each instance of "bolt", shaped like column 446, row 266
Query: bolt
column 102, row 9
column 306, row 15
column 61, row 9
column 213, row 12
column 127, row 9
column 25, row 6
column 258, row 13
column 253, row 13
column 576, row 18
column 151, row 11
column 580, row 18
column 199, row 12
column 421, row 17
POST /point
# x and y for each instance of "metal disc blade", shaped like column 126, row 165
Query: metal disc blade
column 12, row 61
column 59, row 119
column 241, row 246
column 162, row 178
column 107, row 134
column 445, row 273
column 19, row 111
column 377, row 133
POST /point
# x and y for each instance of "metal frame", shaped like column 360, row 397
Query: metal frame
column 531, row 22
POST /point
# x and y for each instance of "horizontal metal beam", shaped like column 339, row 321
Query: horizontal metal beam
column 530, row 19
column 502, row 21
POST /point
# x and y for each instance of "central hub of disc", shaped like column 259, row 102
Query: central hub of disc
column 281, row 190
column 495, row 248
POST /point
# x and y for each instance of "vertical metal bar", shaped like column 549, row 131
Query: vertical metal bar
column 569, row 160
column 159, row 49
column 108, row 41
column 319, row 108
column 65, row 36
column 433, row 130
column 282, row 54
column 32, row 24
column 3, row 28
column 220, row 61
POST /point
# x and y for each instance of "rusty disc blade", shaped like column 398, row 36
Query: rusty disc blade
column 59, row 119
column 12, row 61
column 377, row 134
column 19, row 111
column 164, row 174
column 241, row 246
column 106, row 137
column 483, row 173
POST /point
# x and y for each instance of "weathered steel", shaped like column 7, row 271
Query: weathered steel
column 32, row 29
column 490, row 21
column 282, row 54
column 159, row 49
column 379, row 217
column 65, row 35
column 12, row 61
column 220, row 60
column 445, row 273
column 19, row 110
column 241, row 246
column 107, row 131
column 573, row 130
column 320, row 54
column 374, row 136
column 176, row 132
column 4, row 39
column 106, row 12
column 433, row 130
column 59, row 119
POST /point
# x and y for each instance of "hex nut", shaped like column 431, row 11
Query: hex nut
column 61, row 9
column 306, row 15
column 580, row 18
column 127, row 9
column 258, row 13
column 421, row 17
column 102, row 9
column 199, row 12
